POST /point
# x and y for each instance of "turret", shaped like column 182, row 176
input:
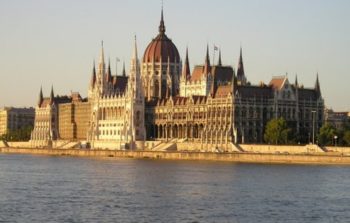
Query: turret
column 93, row 77
column 186, row 73
column 161, row 25
column 109, row 73
column 240, row 70
column 296, row 84
column 52, row 96
column 134, row 79
column 219, row 61
column 207, row 62
column 317, row 86
column 124, row 73
column 41, row 97
column 101, row 70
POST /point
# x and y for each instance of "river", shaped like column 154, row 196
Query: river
column 72, row 189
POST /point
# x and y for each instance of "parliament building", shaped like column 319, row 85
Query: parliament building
column 161, row 101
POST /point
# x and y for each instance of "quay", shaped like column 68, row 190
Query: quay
column 326, row 158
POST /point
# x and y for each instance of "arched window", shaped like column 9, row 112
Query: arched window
column 156, row 88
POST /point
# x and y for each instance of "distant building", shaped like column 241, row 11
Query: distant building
column 336, row 119
column 15, row 118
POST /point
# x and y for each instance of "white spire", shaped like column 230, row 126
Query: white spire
column 135, row 50
column 102, row 55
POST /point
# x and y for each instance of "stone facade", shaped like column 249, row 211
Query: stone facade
column 211, row 106
column 46, row 119
column 74, row 119
column 15, row 118
column 117, row 105
column 336, row 119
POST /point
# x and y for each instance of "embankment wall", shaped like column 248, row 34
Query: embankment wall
column 203, row 156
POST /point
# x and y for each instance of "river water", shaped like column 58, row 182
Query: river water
column 71, row 189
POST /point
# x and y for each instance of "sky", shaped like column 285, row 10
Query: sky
column 47, row 42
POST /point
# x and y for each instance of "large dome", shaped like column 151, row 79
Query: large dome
column 161, row 48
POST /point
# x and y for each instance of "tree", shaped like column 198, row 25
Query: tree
column 22, row 134
column 327, row 132
column 346, row 137
column 277, row 132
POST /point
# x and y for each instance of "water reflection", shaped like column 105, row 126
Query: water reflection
column 66, row 189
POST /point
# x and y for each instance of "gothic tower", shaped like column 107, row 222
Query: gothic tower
column 136, row 97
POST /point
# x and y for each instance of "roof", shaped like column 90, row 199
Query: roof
column 180, row 100
column 57, row 100
column 222, row 74
column 161, row 48
column 223, row 91
column 277, row 82
column 197, row 73
column 246, row 91
column 120, row 83
column 199, row 99
column 307, row 94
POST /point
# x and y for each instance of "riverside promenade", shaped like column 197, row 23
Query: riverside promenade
column 326, row 158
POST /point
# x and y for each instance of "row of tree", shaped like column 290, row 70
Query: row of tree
column 22, row 134
column 277, row 131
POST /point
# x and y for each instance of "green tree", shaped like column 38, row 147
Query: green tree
column 346, row 137
column 277, row 132
column 327, row 132
column 22, row 134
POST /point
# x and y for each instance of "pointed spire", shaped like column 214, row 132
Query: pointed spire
column 240, row 69
column 207, row 62
column 186, row 73
column 134, row 56
column 93, row 76
column 52, row 96
column 102, row 55
column 41, row 97
column 296, row 81
column 161, row 25
column 234, row 79
column 317, row 86
column 109, row 72
column 124, row 73
column 219, row 62
column 114, row 81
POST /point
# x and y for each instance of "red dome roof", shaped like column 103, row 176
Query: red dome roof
column 161, row 48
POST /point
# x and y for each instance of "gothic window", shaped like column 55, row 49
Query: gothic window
column 138, row 116
column 156, row 88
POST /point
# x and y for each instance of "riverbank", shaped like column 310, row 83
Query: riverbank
column 246, row 157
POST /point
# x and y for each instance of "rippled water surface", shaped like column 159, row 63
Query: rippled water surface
column 69, row 189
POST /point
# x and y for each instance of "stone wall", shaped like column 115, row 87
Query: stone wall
column 281, row 149
column 199, row 147
column 229, row 157
column 19, row 144
column 343, row 150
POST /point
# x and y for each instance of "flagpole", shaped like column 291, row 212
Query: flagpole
column 213, row 54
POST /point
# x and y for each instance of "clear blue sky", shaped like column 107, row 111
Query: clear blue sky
column 54, row 42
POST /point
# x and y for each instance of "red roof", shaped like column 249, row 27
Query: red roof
column 277, row 82
column 223, row 91
column 197, row 73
